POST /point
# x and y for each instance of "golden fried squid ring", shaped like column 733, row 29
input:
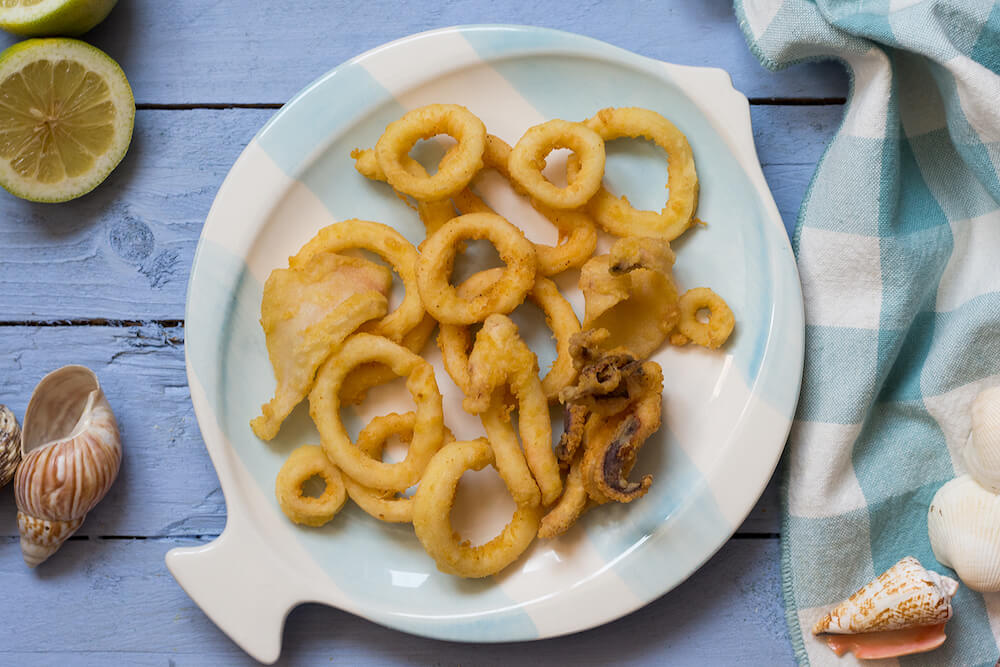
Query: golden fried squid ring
column 432, row 523
column 432, row 213
column 631, row 293
column 388, row 244
column 438, row 257
column 455, row 340
column 709, row 334
column 387, row 506
column 527, row 161
column 303, row 464
column 458, row 165
column 500, row 359
column 577, row 232
column 324, row 408
column 366, row 376
column 616, row 215
column 306, row 313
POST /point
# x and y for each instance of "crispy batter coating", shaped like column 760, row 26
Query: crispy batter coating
column 616, row 215
column 428, row 430
column 455, row 340
column 437, row 259
column 612, row 409
column 631, row 293
column 458, row 165
column 432, row 508
column 303, row 464
column 306, row 313
column 500, row 359
column 577, row 232
column 527, row 160
column 388, row 506
column 710, row 334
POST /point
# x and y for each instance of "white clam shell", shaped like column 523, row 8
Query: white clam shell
column 904, row 596
column 71, row 452
column 964, row 528
column 982, row 453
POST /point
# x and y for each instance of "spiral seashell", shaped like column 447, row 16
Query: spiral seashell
column 900, row 612
column 963, row 524
column 903, row 596
column 982, row 453
column 10, row 445
column 71, row 452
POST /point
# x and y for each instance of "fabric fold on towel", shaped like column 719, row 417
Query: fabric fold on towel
column 898, row 245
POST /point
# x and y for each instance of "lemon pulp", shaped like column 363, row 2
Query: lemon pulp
column 66, row 117
column 56, row 118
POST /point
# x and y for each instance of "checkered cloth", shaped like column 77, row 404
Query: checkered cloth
column 898, row 245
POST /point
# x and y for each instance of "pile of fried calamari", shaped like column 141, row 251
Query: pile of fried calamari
column 331, row 337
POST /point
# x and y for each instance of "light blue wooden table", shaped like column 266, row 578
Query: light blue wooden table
column 101, row 282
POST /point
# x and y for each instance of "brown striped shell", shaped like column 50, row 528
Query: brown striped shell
column 71, row 452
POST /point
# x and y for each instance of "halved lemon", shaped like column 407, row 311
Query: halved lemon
column 66, row 118
column 42, row 18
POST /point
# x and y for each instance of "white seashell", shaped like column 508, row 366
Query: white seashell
column 10, row 445
column 71, row 452
column 964, row 528
column 982, row 453
column 904, row 596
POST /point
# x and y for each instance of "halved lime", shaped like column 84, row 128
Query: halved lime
column 46, row 18
column 66, row 118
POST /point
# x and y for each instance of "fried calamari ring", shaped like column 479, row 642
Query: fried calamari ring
column 390, row 245
column 366, row 376
column 438, row 257
column 501, row 359
column 432, row 213
column 303, row 464
column 527, row 161
column 455, row 340
column 458, row 165
column 388, row 506
column 431, row 521
column 709, row 334
column 577, row 232
column 616, row 215
column 324, row 408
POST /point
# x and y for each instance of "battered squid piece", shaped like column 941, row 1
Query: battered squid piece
column 636, row 252
column 608, row 381
column 306, row 312
column 575, row 419
column 610, row 412
column 631, row 293
column 608, row 459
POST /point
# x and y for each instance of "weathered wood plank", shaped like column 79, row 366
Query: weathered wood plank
column 184, row 53
column 167, row 485
column 124, row 251
column 116, row 604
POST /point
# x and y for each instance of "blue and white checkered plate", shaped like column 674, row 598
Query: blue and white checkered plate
column 726, row 413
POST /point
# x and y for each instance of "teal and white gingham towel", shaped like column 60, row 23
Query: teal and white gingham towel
column 898, row 244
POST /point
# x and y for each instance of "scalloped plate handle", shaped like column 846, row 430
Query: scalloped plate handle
column 233, row 581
